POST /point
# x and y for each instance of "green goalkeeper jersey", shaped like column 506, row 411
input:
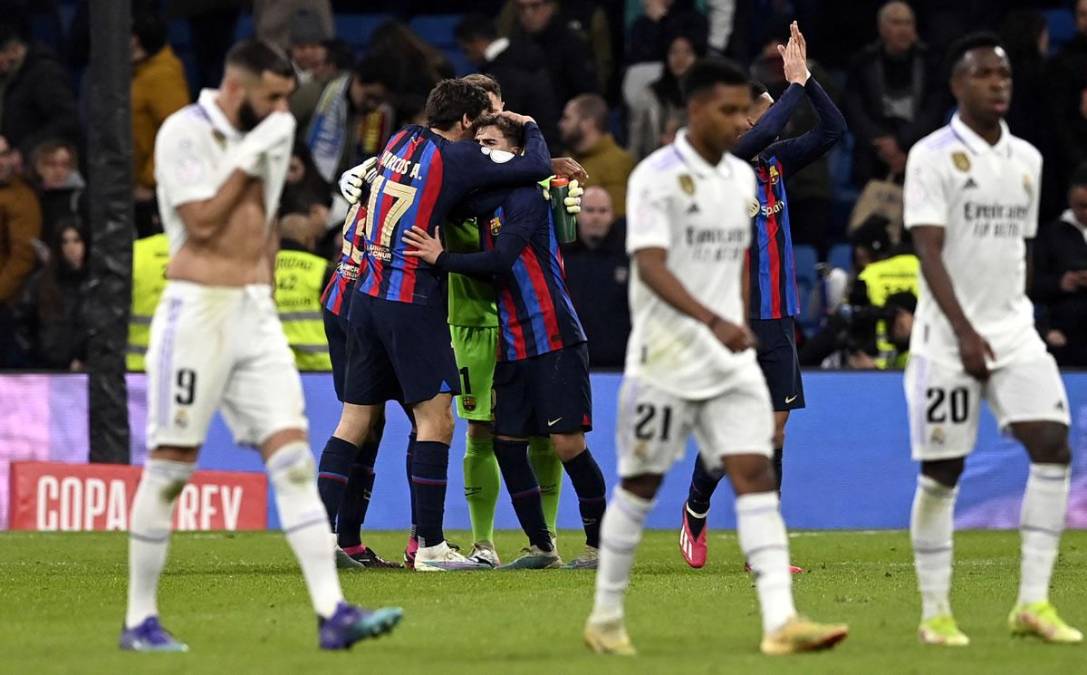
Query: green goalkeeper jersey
column 471, row 302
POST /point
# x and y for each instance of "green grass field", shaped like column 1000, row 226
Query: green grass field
column 239, row 602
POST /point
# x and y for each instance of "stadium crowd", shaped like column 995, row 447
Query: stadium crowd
column 603, row 80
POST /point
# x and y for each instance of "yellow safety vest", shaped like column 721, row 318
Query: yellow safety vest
column 150, row 256
column 299, row 283
column 884, row 278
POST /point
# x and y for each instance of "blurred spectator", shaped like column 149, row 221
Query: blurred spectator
column 150, row 257
column 60, row 187
column 1025, row 35
column 300, row 278
column 1060, row 277
column 728, row 23
column 410, row 66
column 651, row 33
column 585, row 18
column 276, row 20
column 662, row 101
column 520, row 69
column 352, row 120
column 20, row 225
column 158, row 90
column 51, row 323
column 336, row 59
column 1068, row 93
column 569, row 58
column 894, row 96
column 584, row 129
column 36, row 97
column 307, row 43
column 211, row 27
column 597, row 273
column 302, row 175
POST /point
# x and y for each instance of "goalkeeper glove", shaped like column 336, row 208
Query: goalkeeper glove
column 352, row 180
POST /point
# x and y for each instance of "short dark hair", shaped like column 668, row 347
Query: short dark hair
column 705, row 74
column 259, row 57
column 758, row 89
column 339, row 53
column 450, row 100
column 593, row 107
column 12, row 30
column 969, row 42
column 1079, row 176
column 513, row 132
column 150, row 30
column 484, row 82
column 475, row 26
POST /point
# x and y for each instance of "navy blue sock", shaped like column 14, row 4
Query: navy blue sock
column 703, row 484
column 356, row 498
column 332, row 474
column 591, row 493
column 524, row 490
column 429, row 470
column 411, row 485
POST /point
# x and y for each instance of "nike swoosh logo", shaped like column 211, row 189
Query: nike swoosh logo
column 553, row 422
column 790, row 399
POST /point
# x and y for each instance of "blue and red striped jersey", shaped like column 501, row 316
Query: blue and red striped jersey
column 521, row 254
column 770, row 259
column 336, row 297
column 421, row 177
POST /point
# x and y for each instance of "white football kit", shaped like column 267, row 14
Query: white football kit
column 215, row 346
column 986, row 199
column 679, row 378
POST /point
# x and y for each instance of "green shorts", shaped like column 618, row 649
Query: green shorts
column 476, row 350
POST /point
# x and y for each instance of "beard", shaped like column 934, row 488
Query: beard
column 247, row 116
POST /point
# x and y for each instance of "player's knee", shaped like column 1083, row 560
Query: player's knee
column 435, row 426
column 480, row 431
column 1047, row 443
column 751, row 473
column 568, row 446
column 644, row 486
column 291, row 465
column 946, row 472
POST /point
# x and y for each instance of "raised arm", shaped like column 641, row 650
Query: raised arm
column 770, row 125
column 797, row 153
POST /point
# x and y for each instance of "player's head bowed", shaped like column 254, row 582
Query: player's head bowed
column 256, row 82
column 454, row 105
column 718, row 97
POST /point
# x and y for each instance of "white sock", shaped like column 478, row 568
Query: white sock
column 149, row 533
column 620, row 532
column 931, row 526
column 765, row 545
column 305, row 524
column 1044, row 506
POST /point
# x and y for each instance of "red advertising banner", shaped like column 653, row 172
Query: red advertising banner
column 49, row 496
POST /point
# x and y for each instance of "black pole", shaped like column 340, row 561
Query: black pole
column 108, row 290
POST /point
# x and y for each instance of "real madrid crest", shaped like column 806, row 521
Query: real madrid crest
column 686, row 183
column 496, row 225
column 961, row 161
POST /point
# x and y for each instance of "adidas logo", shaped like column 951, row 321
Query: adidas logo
column 693, row 208
column 1060, row 405
column 970, row 184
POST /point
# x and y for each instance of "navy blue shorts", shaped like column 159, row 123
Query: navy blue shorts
column 545, row 394
column 779, row 362
column 404, row 352
column 336, row 332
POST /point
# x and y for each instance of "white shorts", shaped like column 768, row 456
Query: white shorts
column 219, row 347
column 653, row 425
column 945, row 403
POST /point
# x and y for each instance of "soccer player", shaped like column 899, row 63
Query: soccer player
column 216, row 340
column 542, row 376
column 773, row 303
column 398, row 315
column 971, row 199
column 473, row 325
column 345, row 472
column 690, row 364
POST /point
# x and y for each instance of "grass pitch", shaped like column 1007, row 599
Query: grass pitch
column 239, row 602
